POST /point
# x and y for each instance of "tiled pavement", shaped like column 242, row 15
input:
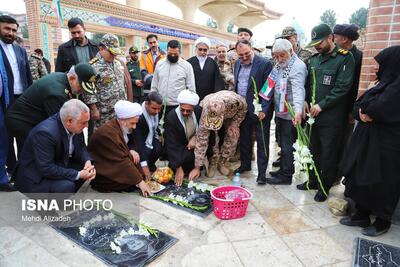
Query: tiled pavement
column 283, row 227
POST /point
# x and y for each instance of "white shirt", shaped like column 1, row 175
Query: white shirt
column 202, row 61
column 12, row 59
column 71, row 147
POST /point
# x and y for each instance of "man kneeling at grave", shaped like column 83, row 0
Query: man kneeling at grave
column 223, row 108
column 146, row 137
column 180, row 134
column 54, row 157
column 117, row 166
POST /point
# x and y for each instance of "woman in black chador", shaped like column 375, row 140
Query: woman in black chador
column 372, row 162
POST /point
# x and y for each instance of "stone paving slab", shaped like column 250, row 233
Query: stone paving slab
column 283, row 227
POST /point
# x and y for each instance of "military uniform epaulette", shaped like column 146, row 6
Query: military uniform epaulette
column 93, row 60
column 342, row 51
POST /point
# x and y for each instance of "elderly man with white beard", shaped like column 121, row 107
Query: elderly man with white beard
column 117, row 166
column 287, row 81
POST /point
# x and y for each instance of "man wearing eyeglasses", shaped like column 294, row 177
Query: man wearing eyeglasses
column 206, row 72
column 248, row 67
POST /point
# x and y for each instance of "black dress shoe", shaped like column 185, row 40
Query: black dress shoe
column 277, row 162
column 303, row 186
column 242, row 170
column 320, row 196
column 280, row 179
column 261, row 180
column 379, row 227
column 7, row 187
column 356, row 221
column 275, row 173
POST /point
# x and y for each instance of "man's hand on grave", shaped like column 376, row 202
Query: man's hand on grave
column 145, row 189
column 179, row 174
column 194, row 174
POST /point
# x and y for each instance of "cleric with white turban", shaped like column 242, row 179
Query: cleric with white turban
column 126, row 109
column 188, row 97
column 203, row 40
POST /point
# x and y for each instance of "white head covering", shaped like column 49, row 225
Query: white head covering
column 125, row 109
column 188, row 97
column 281, row 45
column 203, row 40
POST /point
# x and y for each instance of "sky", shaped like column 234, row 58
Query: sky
column 306, row 13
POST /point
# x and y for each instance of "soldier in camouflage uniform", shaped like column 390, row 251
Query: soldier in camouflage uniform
column 221, row 109
column 37, row 66
column 225, row 68
column 110, row 82
column 289, row 33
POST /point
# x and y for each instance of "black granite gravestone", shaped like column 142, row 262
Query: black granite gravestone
column 97, row 230
column 370, row 253
column 197, row 198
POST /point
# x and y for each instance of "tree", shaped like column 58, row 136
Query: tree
column 359, row 17
column 329, row 17
column 212, row 23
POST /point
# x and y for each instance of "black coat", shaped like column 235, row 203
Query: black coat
column 139, row 135
column 23, row 67
column 47, row 64
column 176, row 141
column 371, row 163
column 209, row 79
column 358, row 56
column 67, row 57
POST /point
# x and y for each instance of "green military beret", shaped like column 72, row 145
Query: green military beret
column 87, row 77
column 318, row 34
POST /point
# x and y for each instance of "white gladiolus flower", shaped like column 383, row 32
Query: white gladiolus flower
column 257, row 107
column 82, row 231
column 310, row 120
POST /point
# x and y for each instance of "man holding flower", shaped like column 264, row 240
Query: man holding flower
column 288, row 79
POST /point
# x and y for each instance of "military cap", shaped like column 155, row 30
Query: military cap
column 245, row 30
column 112, row 43
column 288, row 31
column 348, row 30
column 133, row 49
column 87, row 77
column 318, row 34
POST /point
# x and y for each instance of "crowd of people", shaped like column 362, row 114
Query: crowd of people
column 199, row 114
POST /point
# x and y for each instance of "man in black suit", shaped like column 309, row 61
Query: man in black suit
column 146, row 135
column 54, row 157
column 15, row 60
column 251, row 66
column 206, row 71
column 79, row 49
column 180, row 134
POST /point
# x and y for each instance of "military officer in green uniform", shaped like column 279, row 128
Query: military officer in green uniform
column 333, row 69
column 110, row 84
column 136, row 77
column 45, row 98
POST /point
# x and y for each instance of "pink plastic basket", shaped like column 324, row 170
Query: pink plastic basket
column 226, row 209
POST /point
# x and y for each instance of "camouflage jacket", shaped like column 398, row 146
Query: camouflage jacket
column 223, row 107
column 110, row 87
column 226, row 70
column 304, row 55
column 37, row 66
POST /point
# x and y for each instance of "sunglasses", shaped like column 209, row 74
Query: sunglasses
column 203, row 49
